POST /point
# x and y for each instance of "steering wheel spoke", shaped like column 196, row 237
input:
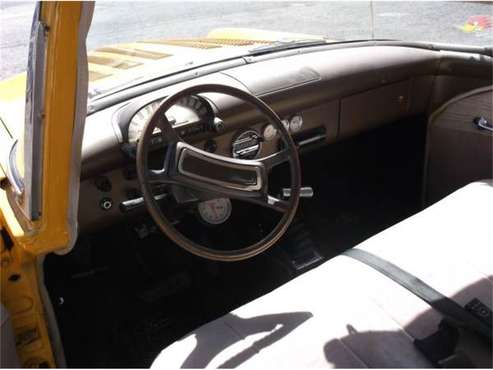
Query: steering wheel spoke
column 277, row 204
column 269, row 201
column 275, row 159
column 167, row 130
column 157, row 177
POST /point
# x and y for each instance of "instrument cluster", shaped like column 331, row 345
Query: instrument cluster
column 190, row 115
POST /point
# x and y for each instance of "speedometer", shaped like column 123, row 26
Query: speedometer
column 139, row 120
column 196, row 104
column 187, row 110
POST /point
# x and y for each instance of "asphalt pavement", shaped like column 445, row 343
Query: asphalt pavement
column 434, row 21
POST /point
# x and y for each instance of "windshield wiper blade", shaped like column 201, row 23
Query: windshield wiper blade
column 286, row 45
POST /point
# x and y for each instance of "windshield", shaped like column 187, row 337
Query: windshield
column 170, row 36
column 135, row 41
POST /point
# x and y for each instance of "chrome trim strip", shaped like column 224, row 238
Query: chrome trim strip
column 34, row 119
column 312, row 140
column 12, row 172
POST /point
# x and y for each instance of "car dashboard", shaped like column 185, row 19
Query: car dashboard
column 321, row 97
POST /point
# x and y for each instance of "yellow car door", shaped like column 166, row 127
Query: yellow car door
column 40, row 177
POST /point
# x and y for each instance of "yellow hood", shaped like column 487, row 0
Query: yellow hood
column 111, row 65
column 12, row 103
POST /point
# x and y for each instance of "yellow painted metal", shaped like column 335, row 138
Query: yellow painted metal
column 62, row 18
column 12, row 103
column 20, row 290
column 13, row 87
column 249, row 34
column 20, row 294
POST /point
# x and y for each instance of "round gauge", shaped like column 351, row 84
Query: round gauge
column 296, row 123
column 139, row 120
column 197, row 105
column 215, row 211
column 285, row 123
column 269, row 132
column 187, row 110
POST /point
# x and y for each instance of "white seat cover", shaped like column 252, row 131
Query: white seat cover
column 344, row 313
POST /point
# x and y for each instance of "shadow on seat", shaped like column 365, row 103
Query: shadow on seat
column 383, row 349
column 206, row 349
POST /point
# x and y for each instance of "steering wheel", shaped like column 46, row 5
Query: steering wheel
column 216, row 175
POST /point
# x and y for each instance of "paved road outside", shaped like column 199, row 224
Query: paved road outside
column 130, row 21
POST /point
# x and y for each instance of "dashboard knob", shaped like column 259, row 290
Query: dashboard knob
column 218, row 124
